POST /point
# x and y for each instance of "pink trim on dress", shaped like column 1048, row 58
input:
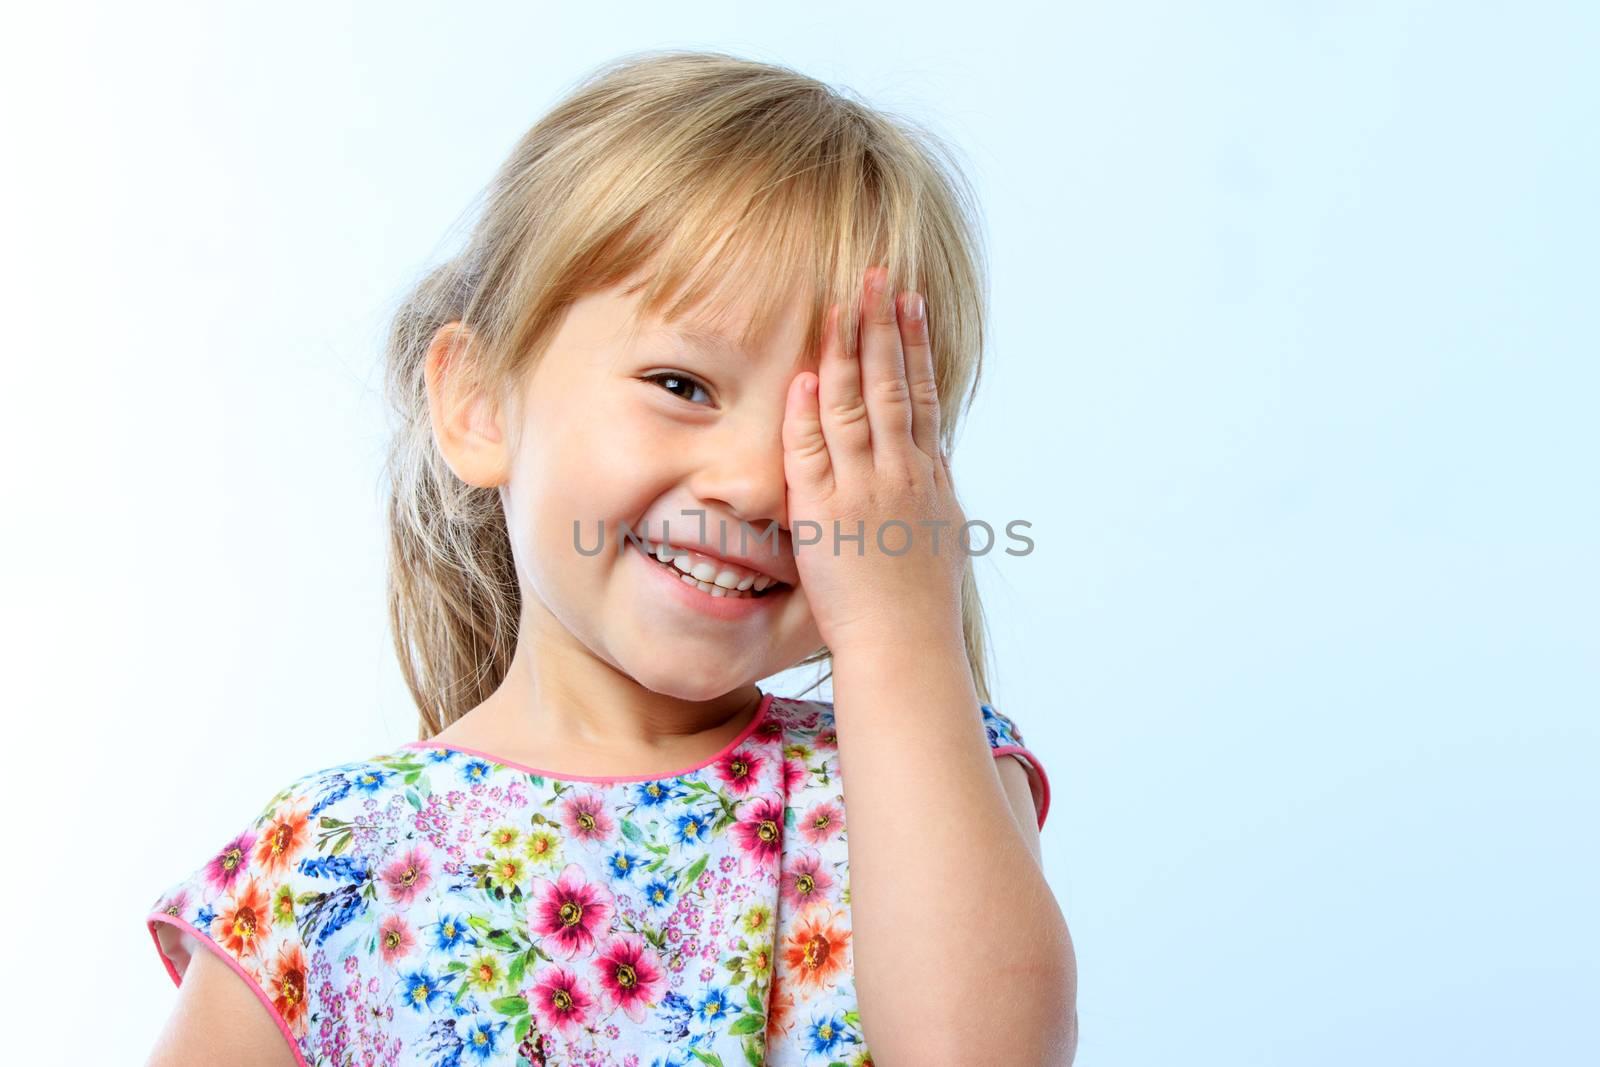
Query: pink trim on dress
column 744, row 735
column 1044, row 780
column 177, row 980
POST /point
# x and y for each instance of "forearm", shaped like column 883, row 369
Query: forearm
column 957, row 939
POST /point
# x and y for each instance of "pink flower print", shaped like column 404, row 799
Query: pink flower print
column 629, row 973
column 738, row 770
column 806, row 881
column 226, row 866
column 408, row 876
column 585, row 818
column 759, row 833
column 795, row 774
column 560, row 1001
column 176, row 903
column 823, row 822
column 570, row 911
column 395, row 938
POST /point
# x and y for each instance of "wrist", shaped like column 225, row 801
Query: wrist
column 897, row 641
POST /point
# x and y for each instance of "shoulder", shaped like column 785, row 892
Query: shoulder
column 796, row 720
column 805, row 726
column 1005, row 739
column 284, row 881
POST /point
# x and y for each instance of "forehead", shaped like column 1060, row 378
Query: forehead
column 743, row 321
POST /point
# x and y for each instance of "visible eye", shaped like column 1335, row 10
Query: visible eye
column 674, row 381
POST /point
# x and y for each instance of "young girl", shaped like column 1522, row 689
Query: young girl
column 675, row 419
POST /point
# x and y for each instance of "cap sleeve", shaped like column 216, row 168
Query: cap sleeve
column 1005, row 739
column 265, row 901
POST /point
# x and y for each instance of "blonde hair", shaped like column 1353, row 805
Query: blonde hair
column 699, row 167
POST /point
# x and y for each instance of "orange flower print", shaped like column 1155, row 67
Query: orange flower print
column 395, row 938
column 286, row 985
column 817, row 952
column 281, row 840
column 780, row 1007
column 805, row 881
column 408, row 876
column 244, row 921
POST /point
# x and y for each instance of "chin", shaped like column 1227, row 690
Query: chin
column 674, row 681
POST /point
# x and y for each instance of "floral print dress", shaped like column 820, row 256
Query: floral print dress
column 434, row 905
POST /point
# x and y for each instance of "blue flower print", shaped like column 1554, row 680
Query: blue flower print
column 622, row 864
column 659, row 893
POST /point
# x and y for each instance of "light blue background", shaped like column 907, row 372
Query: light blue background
column 1293, row 370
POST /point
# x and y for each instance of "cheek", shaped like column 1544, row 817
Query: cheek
column 583, row 467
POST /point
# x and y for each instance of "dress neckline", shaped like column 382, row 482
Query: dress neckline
column 743, row 736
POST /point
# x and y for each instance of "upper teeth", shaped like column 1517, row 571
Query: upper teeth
column 724, row 575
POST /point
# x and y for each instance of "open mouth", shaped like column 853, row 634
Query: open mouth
column 717, row 580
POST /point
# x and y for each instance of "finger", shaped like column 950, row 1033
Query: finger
column 883, row 369
column 844, row 410
column 920, row 379
column 807, row 466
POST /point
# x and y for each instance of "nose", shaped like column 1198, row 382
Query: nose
column 740, row 471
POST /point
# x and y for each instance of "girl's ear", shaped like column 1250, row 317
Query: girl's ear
column 468, row 425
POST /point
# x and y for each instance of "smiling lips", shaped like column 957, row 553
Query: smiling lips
column 717, row 577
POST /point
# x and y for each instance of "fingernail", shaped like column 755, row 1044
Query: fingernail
column 914, row 307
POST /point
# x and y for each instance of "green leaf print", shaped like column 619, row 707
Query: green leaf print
column 405, row 766
column 524, row 1024
column 707, row 1057
column 692, row 873
column 414, row 799
column 509, row 1005
column 754, row 1052
column 336, row 831
column 748, row 1024
column 520, row 965
column 633, row 833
